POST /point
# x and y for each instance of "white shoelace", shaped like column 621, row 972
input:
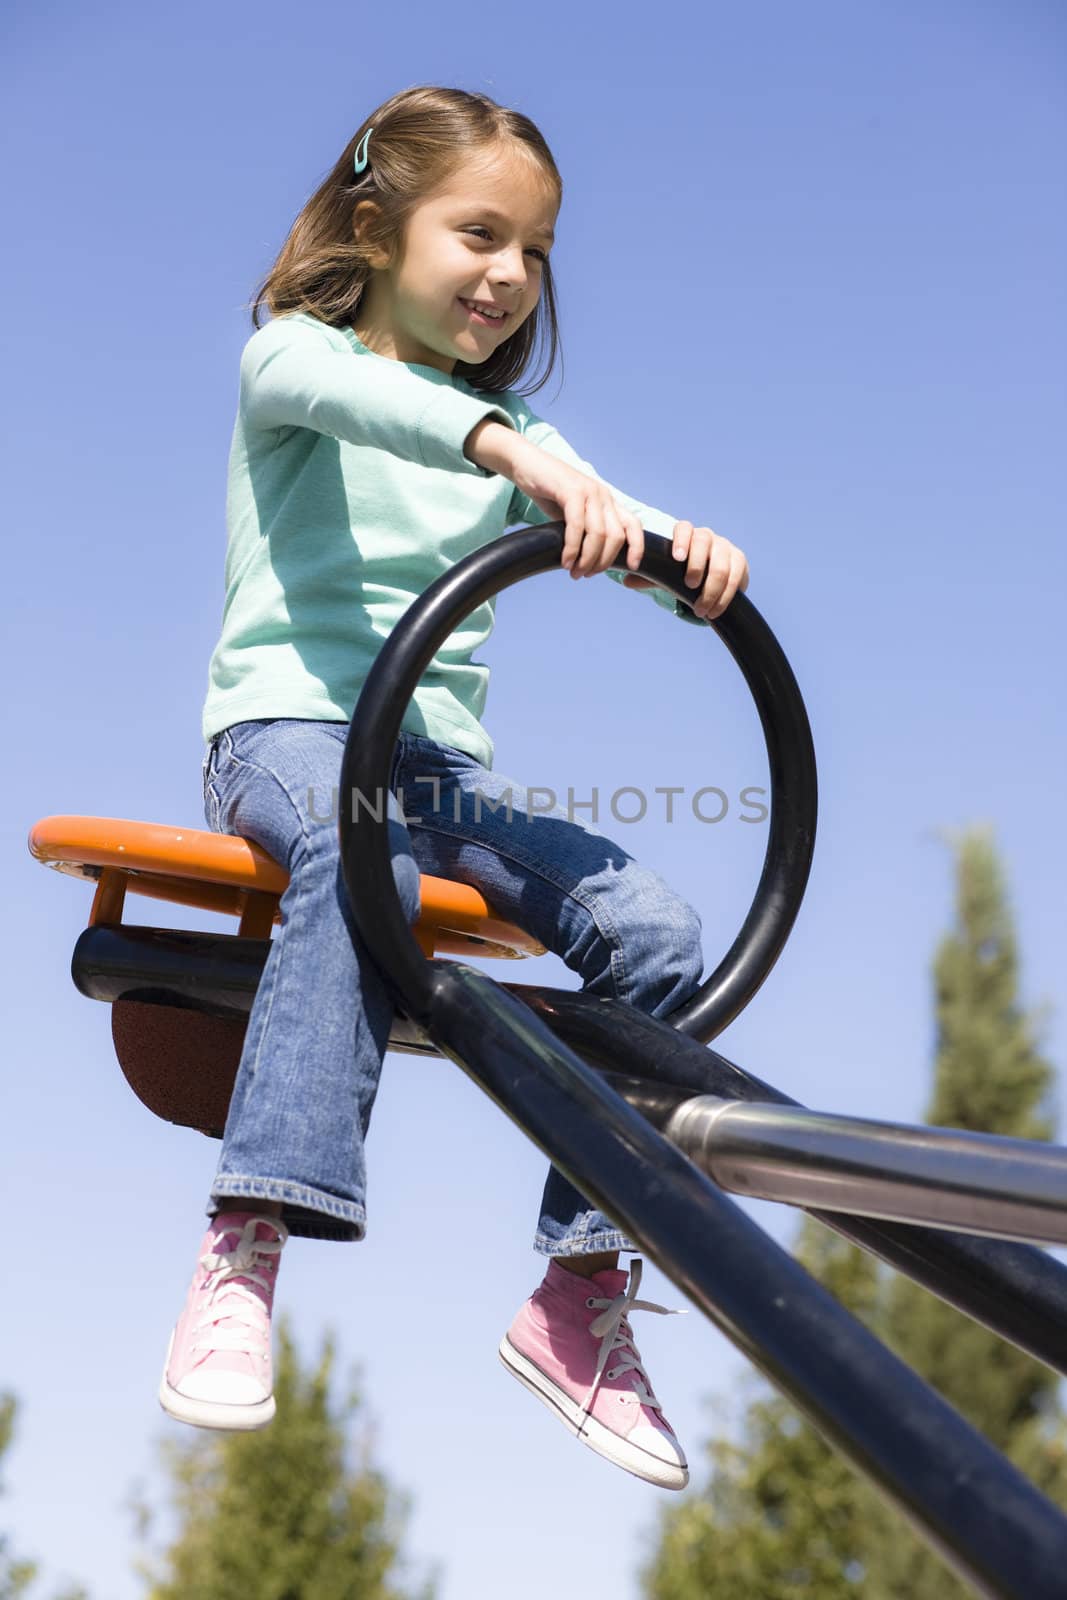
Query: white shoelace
column 237, row 1302
column 613, row 1331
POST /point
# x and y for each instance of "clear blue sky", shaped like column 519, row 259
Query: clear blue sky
column 811, row 267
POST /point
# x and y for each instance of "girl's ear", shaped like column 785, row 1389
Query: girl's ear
column 363, row 218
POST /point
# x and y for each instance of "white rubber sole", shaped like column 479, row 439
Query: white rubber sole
column 208, row 1413
column 664, row 1474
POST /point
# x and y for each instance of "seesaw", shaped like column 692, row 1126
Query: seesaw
column 647, row 1121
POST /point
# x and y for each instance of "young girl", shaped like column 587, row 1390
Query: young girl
column 378, row 440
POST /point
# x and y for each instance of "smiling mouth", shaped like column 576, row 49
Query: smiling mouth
column 481, row 317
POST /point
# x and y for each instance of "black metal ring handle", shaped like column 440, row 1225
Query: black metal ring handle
column 392, row 681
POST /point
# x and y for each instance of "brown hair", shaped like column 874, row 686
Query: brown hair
column 421, row 136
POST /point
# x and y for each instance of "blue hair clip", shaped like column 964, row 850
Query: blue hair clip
column 361, row 160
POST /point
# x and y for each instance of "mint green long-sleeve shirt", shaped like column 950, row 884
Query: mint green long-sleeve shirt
column 348, row 494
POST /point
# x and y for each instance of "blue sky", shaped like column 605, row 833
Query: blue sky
column 811, row 269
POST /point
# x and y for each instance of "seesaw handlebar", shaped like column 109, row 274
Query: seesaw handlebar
column 393, row 679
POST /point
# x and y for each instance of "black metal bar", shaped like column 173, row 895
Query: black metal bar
column 991, row 1526
column 952, row 1482
column 393, row 679
column 975, row 1182
column 1016, row 1290
column 217, row 973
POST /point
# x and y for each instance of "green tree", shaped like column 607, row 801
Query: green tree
column 990, row 1077
column 782, row 1515
column 282, row 1513
column 15, row 1576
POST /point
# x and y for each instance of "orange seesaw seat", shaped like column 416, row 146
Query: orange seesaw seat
column 226, row 873
column 181, row 1062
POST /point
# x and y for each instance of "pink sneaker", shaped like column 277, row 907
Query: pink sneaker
column 559, row 1346
column 218, row 1371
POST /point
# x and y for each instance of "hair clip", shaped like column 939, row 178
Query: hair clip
column 361, row 160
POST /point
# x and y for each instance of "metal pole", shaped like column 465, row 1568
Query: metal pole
column 1006, row 1188
column 992, row 1526
column 1016, row 1290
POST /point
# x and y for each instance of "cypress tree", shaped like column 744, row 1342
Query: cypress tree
column 15, row 1576
column 281, row 1513
column 990, row 1077
column 782, row 1516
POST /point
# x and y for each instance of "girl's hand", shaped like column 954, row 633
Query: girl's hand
column 597, row 527
column 713, row 564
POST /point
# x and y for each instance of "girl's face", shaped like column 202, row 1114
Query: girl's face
column 483, row 238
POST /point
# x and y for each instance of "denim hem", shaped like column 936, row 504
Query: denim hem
column 590, row 1244
column 307, row 1213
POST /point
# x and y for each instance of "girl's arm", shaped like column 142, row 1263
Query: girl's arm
column 297, row 372
column 514, row 455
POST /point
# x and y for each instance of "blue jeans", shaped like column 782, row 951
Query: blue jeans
column 320, row 1021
